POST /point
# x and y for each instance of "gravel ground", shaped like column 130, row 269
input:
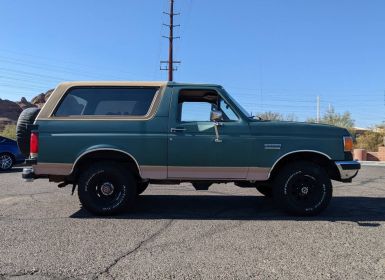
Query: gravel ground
column 179, row 233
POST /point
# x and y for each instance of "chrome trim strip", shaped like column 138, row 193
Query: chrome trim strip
column 293, row 152
column 105, row 149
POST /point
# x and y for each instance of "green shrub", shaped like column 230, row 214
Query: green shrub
column 370, row 141
column 9, row 131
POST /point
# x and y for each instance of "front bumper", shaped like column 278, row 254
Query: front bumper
column 348, row 169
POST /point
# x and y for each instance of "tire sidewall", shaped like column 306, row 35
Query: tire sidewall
column 23, row 133
column 125, row 181
column 282, row 181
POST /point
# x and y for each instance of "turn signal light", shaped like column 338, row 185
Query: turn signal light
column 348, row 144
column 34, row 144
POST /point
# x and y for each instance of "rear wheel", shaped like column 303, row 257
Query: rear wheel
column 302, row 188
column 106, row 188
column 6, row 162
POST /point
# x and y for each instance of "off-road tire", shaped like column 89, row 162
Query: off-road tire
column 302, row 188
column 94, row 185
column 23, row 133
column 266, row 190
column 141, row 187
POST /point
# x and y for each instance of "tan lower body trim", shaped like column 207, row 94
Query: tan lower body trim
column 258, row 174
column 173, row 172
column 206, row 172
column 52, row 168
column 219, row 173
column 153, row 172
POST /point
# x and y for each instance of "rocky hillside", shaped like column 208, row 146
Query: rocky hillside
column 10, row 110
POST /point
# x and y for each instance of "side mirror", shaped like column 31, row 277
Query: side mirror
column 216, row 115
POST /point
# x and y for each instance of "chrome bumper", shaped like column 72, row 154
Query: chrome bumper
column 348, row 169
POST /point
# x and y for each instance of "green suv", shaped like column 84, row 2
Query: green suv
column 112, row 139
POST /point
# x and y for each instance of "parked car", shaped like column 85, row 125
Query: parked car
column 111, row 139
column 9, row 154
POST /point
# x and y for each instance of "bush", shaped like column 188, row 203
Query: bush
column 9, row 131
column 370, row 141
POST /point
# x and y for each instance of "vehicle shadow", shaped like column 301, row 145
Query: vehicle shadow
column 361, row 210
column 13, row 170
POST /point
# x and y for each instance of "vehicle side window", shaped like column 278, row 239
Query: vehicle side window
column 195, row 111
column 106, row 101
column 228, row 113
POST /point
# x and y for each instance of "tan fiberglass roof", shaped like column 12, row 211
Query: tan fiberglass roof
column 56, row 95
column 129, row 83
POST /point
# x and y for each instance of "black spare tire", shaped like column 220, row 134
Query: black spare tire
column 23, row 133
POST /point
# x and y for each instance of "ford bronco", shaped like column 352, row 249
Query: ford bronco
column 113, row 139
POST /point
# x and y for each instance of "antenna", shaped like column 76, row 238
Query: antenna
column 170, row 62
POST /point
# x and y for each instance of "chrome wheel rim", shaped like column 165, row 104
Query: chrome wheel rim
column 5, row 162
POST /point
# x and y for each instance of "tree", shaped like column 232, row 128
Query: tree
column 332, row 117
column 274, row 116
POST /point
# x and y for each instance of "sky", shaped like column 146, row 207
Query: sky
column 271, row 55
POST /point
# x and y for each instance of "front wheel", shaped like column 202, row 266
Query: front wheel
column 106, row 188
column 302, row 188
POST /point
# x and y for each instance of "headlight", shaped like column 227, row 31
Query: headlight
column 348, row 143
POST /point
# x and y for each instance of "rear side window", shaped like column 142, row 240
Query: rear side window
column 106, row 101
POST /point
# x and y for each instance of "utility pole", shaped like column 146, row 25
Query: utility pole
column 170, row 62
column 318, row 109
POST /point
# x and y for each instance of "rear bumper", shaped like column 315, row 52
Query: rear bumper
column 348, row 169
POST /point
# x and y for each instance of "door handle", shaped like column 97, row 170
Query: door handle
column 176, row 129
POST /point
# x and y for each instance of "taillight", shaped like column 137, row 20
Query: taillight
column 34, row 144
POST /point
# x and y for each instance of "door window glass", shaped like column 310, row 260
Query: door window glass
column 228, row 113
column 195, row 112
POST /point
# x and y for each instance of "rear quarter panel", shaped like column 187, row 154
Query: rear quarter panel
column 64, row 140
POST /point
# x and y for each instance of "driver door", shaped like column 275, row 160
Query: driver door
column 194, row 151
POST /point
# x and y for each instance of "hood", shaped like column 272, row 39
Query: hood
column 299, row 129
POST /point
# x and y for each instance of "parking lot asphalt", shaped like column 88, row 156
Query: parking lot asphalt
column 176, row 232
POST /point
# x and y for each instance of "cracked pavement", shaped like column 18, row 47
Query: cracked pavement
column 176, row 232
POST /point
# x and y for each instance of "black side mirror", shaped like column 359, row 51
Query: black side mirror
column 216, row 115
